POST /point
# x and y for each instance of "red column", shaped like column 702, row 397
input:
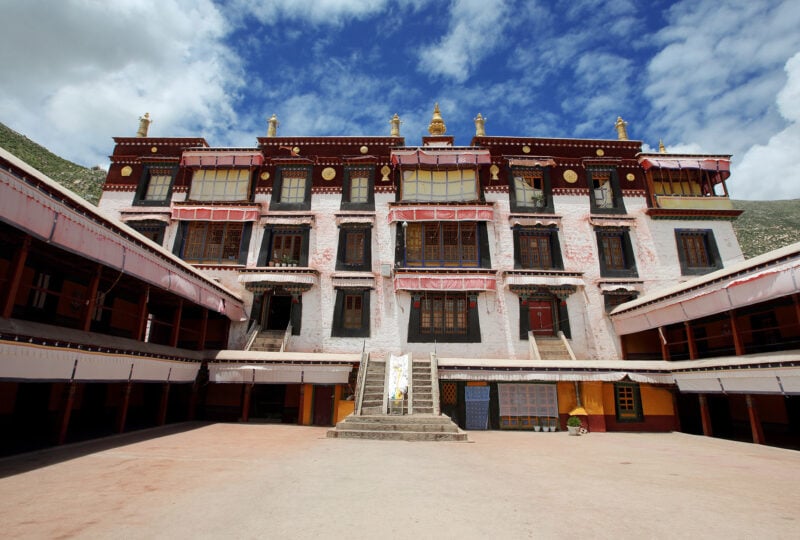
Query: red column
column 201, row 341
column 755, row 421
column 162, row 409
column 91, row 300
column 176, row 324
column 142, row 311
column 737, row 337
column 705, row 415
column 663, row 339
column 15, row 274
column 248, row 389
column 690, row 340
column 70, row 400
column 123, row 410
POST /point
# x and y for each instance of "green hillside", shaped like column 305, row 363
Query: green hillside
column 85, row 182
column 765, row 225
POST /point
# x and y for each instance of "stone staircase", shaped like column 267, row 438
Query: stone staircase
column 552, row 348
column 268, row 341
column 421, row 425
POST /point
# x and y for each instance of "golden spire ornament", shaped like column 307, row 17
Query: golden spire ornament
column 144, row 125
column 661, row 148
column 622, row 132
column 437, row 127
column 272, row 127
column 480, row 126
column 395, row 123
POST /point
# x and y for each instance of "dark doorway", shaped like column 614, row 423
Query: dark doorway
column 323, row 405
column 267, row 402
column 279, row 310
column 540, row 317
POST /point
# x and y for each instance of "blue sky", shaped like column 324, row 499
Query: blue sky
column 705, row 76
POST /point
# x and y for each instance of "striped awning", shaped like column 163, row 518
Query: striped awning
column 222, row 158
column 216, row 213
column 439, row 282
column 441, row 157
column 279, row 373
column 442, row 213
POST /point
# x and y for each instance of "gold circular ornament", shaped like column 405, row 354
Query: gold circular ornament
column 265, row 176
column 631, row 177
column 600, row 152
column 296, row 150
column 328, row 173
column 363, row 149
column 526, row 149
column 126, row 170
column 385, row 170
column 154, row 149
column 570, row 176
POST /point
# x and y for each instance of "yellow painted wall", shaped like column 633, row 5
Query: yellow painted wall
column 566, row 397
column 308, row 401
column 345, row 409
column 655, row 400
column 593, row 398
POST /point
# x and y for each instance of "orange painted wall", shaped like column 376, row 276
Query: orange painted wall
column 345, row 409
column 307, row 404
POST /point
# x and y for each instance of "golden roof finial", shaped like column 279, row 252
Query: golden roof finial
column 144, row 125
column 661, row 148
column 272, row 128
column 395, row 123
column 437, row 127
column 480, row 126
column 622, row 133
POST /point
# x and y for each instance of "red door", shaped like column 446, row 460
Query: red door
column 323, row 405
column 540, row 318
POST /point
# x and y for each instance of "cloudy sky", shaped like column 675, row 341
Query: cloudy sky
column 706, row 76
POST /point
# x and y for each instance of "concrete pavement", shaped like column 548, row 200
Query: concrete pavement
column 275, row 481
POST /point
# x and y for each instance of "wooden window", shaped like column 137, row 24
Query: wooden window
column 354, row 248
column 615, row 252
column 613, row 256
column 352, row 311
column 606, row 194
column 614, row 299
column 628, row 402
column 447, row 243
column 458, row 185
column 529, row 188
column 535, row 251
column 286, row 247
column 220, row 185
column 152, row 229
column 697, row 251
column 601, row 187
column 359, row 188
column 158, row 187
column 443, row 315
column 155, row 187
column 212, row 242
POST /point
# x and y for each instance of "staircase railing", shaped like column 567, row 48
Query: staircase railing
column 410, row 384
column 286, row 335
column 566, row 345
column 533, row 349
column 252, row 334
column 437, row 410
column 360, row 379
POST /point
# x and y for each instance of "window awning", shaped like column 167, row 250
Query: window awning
column 721, row 166
column 532, row 162
column 442, row 213
column 437, row 282
column 279, row 373
column 222, row 158
column 547, row 281
column 746, row 381
column 216, row 213
column 441, row 157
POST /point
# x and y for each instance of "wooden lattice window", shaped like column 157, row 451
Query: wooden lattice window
column 456, row 185
column 443, row 314
column 293, row 186
column 286, row 247
column 352, row 311
column 442, row 244
column 628, row 402
column 449, row 393
column 354, row 247
column 535, row 251
column 697, row 251
column 208, row 242
column 220, row 185
column 359, row 186
column 613, row 254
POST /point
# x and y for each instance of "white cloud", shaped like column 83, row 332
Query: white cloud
column 85, row 71
column 770, row 171
column 318, row 12
column 476, row 28
column 713, row 84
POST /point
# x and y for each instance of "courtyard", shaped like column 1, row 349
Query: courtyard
column 198, row 480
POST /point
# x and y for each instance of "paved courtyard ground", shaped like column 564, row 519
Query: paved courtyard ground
column 273, row 481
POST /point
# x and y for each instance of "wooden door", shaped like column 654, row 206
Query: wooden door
column 540, row 317
column 323, row 405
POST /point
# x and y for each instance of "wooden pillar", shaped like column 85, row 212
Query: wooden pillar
column 176, row 324
column 690, row 340
column 122, row 415
column 306, row 402
column 623, row 347
column 201, row 340
column 142, row 313
column 755, row 421
column 91, row 301
column 705, row 415
column 248, row 390
column 337, row 395
column 72, row 387
column 796, row 298
column 738, row 344
column 162, row 409
column 15, row 276
column 664, row 348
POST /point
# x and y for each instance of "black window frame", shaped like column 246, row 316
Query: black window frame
column 151, row 228
column 346, row 203
column 483, row 255
column 338, row 328
column 551, row 233
column 345, row 230
column 415, row 330
column 144, row 184
column 629, row 260
column 547, row 191
column 277, row 187
column 618, row 204
column 637, row 415
column 244, row 243
column 270, row 231
column 711, row 251
column 612, row 299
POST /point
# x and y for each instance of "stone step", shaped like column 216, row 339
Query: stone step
column 388, row 419
column 398, row 435
column 424, row 428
